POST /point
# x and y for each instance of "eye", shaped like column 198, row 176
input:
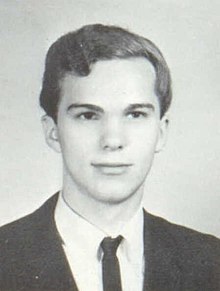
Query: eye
column 88, row 116
column 136, row 114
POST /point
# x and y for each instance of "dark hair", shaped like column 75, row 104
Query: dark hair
column 77, row 50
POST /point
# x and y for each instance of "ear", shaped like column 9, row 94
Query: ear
column 51, row 133
column 163, row 131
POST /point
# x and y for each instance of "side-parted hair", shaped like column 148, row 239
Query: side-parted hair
column 76, row 51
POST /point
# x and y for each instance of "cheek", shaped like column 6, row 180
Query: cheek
column 145, row 138
column 77, row 144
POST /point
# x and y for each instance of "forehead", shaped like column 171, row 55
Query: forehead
column 119, row 80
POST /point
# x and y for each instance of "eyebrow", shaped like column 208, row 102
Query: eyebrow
column 101, row 110
column 87, row 106
column 140, row 105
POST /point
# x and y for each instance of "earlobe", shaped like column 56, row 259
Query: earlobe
column 51, row 133
column 163, row 131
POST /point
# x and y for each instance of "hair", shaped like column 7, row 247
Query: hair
column 76, row 51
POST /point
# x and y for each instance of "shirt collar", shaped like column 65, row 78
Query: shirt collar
column 75, row 231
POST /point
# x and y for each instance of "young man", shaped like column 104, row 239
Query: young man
column 106, row 93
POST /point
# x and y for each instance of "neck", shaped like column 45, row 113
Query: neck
column 108, row 217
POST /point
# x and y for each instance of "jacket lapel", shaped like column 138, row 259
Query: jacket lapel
column 161, row 268
column 51, row 271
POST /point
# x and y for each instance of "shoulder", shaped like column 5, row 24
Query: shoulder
column 160, row 223
column 31, row 254
column 186, row 240
column 18, row 235
column 195, row 256
column 184, row 237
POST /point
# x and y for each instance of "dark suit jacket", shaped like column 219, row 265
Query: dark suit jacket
column 176, row 258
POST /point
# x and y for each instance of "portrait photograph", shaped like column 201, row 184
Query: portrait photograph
column 110, row 138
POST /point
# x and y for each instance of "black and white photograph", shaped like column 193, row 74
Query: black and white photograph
column 110, row 138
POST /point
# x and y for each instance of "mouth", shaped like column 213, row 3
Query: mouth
column 112, row 168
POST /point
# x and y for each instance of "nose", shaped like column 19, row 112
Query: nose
column 113, row 135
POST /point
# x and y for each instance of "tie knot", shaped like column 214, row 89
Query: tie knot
column 109, row 245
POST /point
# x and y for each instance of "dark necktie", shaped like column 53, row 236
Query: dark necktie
column 110, row 265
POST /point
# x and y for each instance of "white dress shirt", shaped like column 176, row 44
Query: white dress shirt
column 81, row 243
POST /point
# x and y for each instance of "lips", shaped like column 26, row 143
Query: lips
column 112, row 168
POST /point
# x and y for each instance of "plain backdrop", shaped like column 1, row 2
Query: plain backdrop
column 184, row 184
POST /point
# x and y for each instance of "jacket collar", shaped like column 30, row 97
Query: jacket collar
column 50, row 261
column 161, row 268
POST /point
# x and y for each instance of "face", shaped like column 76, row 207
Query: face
column 108, row 129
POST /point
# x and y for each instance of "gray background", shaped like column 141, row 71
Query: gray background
column 184, row 184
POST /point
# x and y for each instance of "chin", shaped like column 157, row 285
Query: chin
column 114, row 195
